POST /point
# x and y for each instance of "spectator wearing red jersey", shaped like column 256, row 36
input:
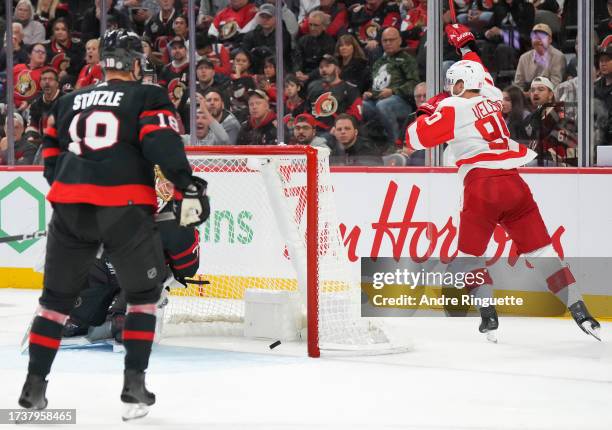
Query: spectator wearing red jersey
column 64, row 53
column 338, row 18
column 233, row 21
column 91, row 73
column 161, row 24
column 413, row 25
column 27, row 76
column 368, row 21
column 33, row 31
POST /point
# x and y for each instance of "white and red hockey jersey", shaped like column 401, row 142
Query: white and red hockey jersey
column 475, row 131
column 229, row 22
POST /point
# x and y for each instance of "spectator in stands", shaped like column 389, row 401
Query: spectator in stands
column 261, row 41
column 304, row 132
column 267, row 81
column 331, row 96
column 351, row 148
column 478, row 14
column 307, row 6
column 215, row 105
column 65, row 53
column 289, row 20
column 161, row 24
column 232, row 22
column 413, row 24
column 260, row 127
column 181, row 28
column 603, row 90
column 175, row 75
column 354, row 66
column 138, row 13
column 367, row 21
column 20, row 53
column 604, row 28
column 508, row 34
column 550, row 132
column 394, row 78
column 543, row 60
column 218, row 54
column 420, row 93
column 241, row 83
column 90, row 25
column 153, row 57
column 27, row 76
column 208, row 78
column 33, row 31
column 312, row 47
column 24, row 150
column 208, row 131
column 41, row 107
column 47, row 11
column 514, row 112
column 294, row 104
column 338, row 18
column 91, row 73
column 208, row 10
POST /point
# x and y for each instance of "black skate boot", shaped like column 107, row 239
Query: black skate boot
column 489, row 323
column 74, row 329
column 135, row 395
column 585, row 321
column 33, row 393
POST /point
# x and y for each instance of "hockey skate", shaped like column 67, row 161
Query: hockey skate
column 33, row 393
column 585, row 321
column 489, row 323
column 135, row 396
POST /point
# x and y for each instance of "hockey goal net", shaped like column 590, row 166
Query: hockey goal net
column 273, row 227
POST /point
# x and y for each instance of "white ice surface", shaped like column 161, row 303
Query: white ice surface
column 543, row 374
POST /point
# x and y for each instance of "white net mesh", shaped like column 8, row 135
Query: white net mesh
column 256, row 238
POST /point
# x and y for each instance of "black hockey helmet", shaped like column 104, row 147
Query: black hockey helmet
column 119, row 49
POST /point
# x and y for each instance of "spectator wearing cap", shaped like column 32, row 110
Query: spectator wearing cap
column 33, row 31
column 351, row 148
column 330, row 96
column 26, row 77
column 65, row 53
column 260, row 127
column 305, row 132
column 368, row 21
column 543, row 60
column 24, row 150
column 91, row 73
column 551, row 133
column 176, row 73
column 507, row 34
column 218, row 54
column 160, row 25
column 208, row 78
column 232, row 22
column 41, row 106
column 261, row 41
column 20, row 52
column 603, row 90
column 394, row 77
column 90, row 25
column 312, row 47
column 215, row 104
column 338, row 18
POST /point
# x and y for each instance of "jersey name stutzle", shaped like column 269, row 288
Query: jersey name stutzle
column 475, row 131
column 97, row 98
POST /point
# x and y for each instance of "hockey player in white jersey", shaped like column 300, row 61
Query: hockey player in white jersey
column 479, row 144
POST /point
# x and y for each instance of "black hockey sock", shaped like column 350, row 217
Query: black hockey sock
column 138, row 334
column 45, row 338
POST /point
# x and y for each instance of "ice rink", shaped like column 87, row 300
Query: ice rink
column 543, row 374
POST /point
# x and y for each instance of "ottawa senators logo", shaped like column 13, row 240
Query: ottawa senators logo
column 325, row 105
column 25, row 86
column 289, row 120
column 369, row 31
column 229, row 30
column 60, row 62
column 176, row 90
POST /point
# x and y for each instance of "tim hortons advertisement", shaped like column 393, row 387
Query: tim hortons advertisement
column 381, row 214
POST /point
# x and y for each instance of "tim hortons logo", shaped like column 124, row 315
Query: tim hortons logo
column 407, row 234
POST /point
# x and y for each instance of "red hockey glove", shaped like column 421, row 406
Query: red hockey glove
column 458, row 35
column 429, row 107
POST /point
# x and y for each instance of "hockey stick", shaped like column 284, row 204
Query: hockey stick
column 165, row 216
column 451, row 7
column 20, row 237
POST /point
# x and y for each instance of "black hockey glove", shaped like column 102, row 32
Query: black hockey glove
column 194, row 208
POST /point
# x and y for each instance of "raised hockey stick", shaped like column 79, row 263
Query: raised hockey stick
column 20, row 237
column 451, row 8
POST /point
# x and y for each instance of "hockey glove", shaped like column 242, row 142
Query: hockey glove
column 429, row 107
column 458, row 35
column 194, row 208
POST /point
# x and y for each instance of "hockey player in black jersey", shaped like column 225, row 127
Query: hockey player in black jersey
column 99, row 151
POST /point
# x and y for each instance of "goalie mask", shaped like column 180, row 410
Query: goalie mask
column 471, row 73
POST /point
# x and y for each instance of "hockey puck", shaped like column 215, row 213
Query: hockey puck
column 275, row 344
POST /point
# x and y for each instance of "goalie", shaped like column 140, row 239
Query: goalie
column 100, row 310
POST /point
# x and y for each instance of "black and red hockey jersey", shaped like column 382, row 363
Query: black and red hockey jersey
column 105, row 141
column 367, row 24
column 176, row 80
column 328, row 101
